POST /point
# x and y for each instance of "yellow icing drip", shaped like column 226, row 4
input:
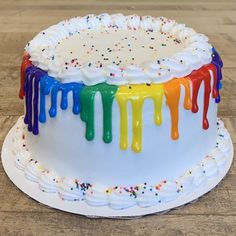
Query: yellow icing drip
column 136, row 94
column 172, row 94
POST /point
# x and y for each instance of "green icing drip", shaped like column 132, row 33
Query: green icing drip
column 87, row 109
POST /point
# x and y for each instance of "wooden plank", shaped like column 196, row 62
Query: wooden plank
column 59, row 223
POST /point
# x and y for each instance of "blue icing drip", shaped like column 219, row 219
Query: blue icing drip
column 46, row 84
column 220, row 85
column 50, row 85
column 35, row 105
column 76, row 99
column 216, row 60
column 75, row 88
column 42, row 115
column 53, row 110
column 217, row 100
column 64, row 102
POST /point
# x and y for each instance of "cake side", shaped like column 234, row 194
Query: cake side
column 66, row 145
column 120, row 197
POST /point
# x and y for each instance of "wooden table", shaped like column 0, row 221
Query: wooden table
column 214, row 213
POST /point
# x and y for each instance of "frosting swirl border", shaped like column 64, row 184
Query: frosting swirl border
column 197, row 53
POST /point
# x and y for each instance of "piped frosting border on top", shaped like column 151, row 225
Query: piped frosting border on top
column 42, row 51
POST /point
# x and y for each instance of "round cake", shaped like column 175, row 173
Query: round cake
column 120, row 111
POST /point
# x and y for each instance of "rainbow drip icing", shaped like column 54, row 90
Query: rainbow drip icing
column 35, row 82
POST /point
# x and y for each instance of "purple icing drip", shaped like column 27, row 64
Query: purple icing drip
column 28, row 94
column 31, row 87
column 38, row 74
column 216, row 60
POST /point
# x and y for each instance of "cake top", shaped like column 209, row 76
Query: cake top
column 118, row 47
column 119, row 50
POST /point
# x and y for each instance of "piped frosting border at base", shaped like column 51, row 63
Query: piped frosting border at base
column 121, row 197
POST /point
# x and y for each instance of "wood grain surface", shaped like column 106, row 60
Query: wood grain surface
column 213, row 214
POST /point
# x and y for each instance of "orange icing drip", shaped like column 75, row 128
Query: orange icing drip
column 172, row 94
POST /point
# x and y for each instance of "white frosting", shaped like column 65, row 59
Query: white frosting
column 175, row 60
column 19, row 139
column 117, row 197
column 22, row 158
column 148, row 196
column 121, row 198
column 48, row 181
column 97, row 195
column 186, row 183
column 209, row 166
column 219, row 157
column 200, row 178
column 33, row 170
column 169, row 190
column 68, row 189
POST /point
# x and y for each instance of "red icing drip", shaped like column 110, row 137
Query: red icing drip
column 24, row 65
column 197, row 77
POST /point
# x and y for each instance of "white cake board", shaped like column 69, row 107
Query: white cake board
column 80, row 207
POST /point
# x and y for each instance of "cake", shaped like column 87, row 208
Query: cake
column 120, row 111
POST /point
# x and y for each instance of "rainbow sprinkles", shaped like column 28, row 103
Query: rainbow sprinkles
column 115, row 78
